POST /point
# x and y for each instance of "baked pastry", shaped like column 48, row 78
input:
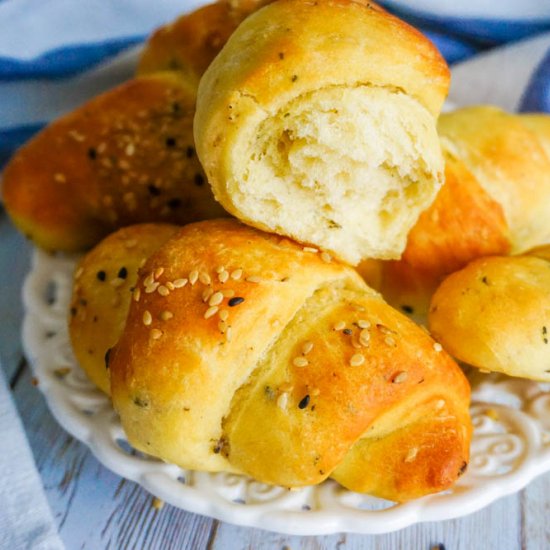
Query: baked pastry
column 257, row 355
column 124, row 157
column 495, row 314
column 496, row 199
column 190, row 43
column 317, row 121
column 103, row 282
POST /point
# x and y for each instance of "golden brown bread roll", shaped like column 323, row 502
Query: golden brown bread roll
column 496, row 199
column 256, row 355
column 316, row 120
column 495, row 314
column 124, row 157
column 190, row 43
column 104, row 279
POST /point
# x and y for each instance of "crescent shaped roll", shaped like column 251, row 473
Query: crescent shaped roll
column 317, row 121
column 276, row 363
column 103, row 281
column 124, row 157
column 495, row 315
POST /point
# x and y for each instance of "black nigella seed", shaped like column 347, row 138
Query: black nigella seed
column 174, row 203
column 189, row 152
column 407, row 309
column 170, row 142
column 347, row 331
column 92, row 153
column 123, row 273
column 304, row 402
column 235, row 301
column 153, row 190
column 101, row 275
column 199, row 180
column 107, row 357
column 73, row 311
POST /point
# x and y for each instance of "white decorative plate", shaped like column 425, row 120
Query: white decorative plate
column 511, row 443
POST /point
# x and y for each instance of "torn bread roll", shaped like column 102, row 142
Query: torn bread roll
column 104, row 280
column 277, row 363
column 317, row 121
column 495, row 314
column 124, row 157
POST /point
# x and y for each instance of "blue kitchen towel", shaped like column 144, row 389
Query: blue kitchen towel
column 56, row 54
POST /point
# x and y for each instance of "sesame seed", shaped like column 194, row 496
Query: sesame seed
column 411, row 455
column 315, row 392
column 116, row 282
column 357, row 360
column 400, row 377
column 156, row 334
column 438, row 347
column 222, row 326
column 440, row 404
column 206, row 294
column 179, row 283
column 147, row 318
column 282, row 400
column 236, row 275
column 149, row 280
column 158, row 272
column 151, row 288
column 228, row 334
column 254, row 279
column 310, row 249
column 193, row 276
column 78, row 273
column 340, row 325
column 219, row 269
column 228, row 293
column 389, row 341
column 307, row 347
column 130, row 149
column 163, row 291
column 300, row 362
column 224, row 314
column 157, row 503
column 235, row 301
column 364, row 337
column 326, row 257
column 216, row 299
column 384, row 329
column 210, row 312
column 204, row 278
column 137, row 295
column 101, row 147
column 166, row 315
column 363, row 324
column 170, row 285
column 223, row 277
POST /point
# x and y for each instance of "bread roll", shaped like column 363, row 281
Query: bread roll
column 495, row 314
column 317, row 121
column 124, row 157
column 256, row 355
column 104, row 279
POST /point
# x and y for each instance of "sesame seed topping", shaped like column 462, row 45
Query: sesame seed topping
column 235, row 301
column 204, row 278
column 216, row 299
column 363, row 324
column 220, row 268
column 210, row 312
column 116, row 282
column 326, row 257
column 223, row 276
column 179, row 283
column 411, row 455
column 151, row 288
column 137, row 295
column 228, row 334
column 156, row 334
column 147, row 318
column 307, row 347
column 130, row 149
column 300, row 362
column 310, row 249
column 224, row 314
column 193, row 276
column 438, row 347
column 440, row 404
column 384, row 329
column 254, row 279
column 166, row 315
column 206, row 294
column 222, row 326
column 158, row 272
column 149, row 280
column 357, row 360
column 236, row 275
column 163, row 291
column 400, row 377
column 340, row 325
column 170, row 285
column 364, row 337
column 389, row 341
column 228, row 293
column 282, row 400
column 315, row 392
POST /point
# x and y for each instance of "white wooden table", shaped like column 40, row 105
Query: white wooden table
column 96, row 509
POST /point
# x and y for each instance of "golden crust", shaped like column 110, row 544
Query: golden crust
column 104, row 279
column 270, row 384
column 124, row 157
column 495, row 314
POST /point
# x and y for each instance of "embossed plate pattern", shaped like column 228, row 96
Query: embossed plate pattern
column 511, row 443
